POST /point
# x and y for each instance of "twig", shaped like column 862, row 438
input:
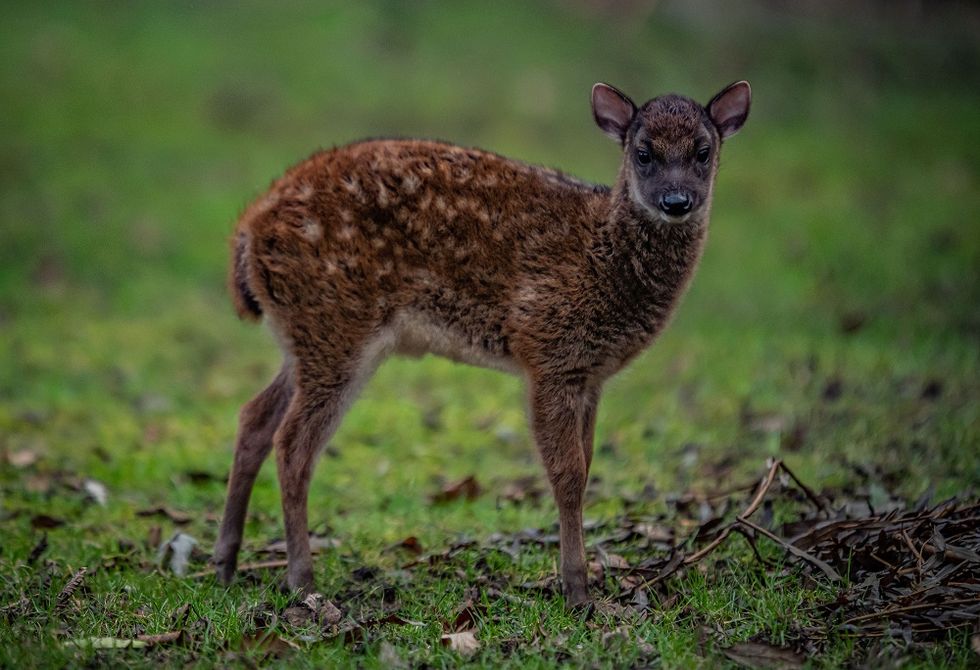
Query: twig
column 807, row 491
column 796, row 551
column 708, row 548
column 246, row 567
column 760, row 494
column 911, row 608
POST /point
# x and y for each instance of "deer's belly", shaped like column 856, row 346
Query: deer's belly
column 418, row 334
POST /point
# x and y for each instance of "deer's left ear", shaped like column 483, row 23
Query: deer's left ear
column 730, row 108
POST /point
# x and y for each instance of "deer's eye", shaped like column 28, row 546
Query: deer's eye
column 642, row 156
column 703, row 154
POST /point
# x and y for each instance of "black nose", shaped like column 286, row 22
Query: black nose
column 675, row 203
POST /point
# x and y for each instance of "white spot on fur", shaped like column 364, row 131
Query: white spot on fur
column 311, row 229
column 305, row 192
column 410, row 183
column 384, row 197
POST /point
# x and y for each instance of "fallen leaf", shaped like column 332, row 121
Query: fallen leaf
column 44, row 521
column 523, row 489
column 268, row 644
column 96, row 490
column 38, row 549
column 177, row 517
column 153, row 537
column 201, row 477
column 161, row 638
column 467, row 488
column 299, row 615
column 22, row 458
column 762, row 655
column 178, row 548
column 69, row 589
column 464, row 642
column 410, row 544
column 107, row 643
column 38, row 483
column 318, row 543
column 654, row 532
column 466, row 618
column 329, row 614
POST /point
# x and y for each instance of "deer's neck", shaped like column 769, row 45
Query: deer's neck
column 647, row 263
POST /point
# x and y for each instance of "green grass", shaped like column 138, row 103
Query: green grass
column 131, row 139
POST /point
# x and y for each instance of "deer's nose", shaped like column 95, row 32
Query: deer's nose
column 675, row 203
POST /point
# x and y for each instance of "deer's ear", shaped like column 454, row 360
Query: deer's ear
column 613, row 111
column 729, row 109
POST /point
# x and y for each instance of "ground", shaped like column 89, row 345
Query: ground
column 833, row 324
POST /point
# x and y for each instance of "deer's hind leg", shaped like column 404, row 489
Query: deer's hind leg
column 257, row 423
column 328, row 379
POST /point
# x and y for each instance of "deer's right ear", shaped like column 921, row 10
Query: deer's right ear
column 613, row 111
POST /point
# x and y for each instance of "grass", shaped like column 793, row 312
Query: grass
column 132, row 138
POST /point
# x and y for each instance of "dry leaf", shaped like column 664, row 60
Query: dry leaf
column 411, row 544
column 44, row 521
column 465, row 488
column 298, row 615
column 177, row 517
column 318, row 543
column 268, row 644
column 762, row 655
column 38, row 549
column 107, row 643
column 178, row 548
column 22, row 458
column 464, row 642
column 96, row 490
column 153, row 537
column 69, row 590
column 162, row 638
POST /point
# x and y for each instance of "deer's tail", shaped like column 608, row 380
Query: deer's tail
column 246, row 305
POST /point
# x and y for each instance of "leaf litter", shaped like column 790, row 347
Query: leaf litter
column 906, row 571
column 910, row 572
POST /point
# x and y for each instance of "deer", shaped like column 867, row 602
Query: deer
column 413, row 247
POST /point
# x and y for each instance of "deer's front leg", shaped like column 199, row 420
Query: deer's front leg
column 558, row 414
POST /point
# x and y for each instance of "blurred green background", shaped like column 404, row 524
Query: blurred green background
column 834, row 319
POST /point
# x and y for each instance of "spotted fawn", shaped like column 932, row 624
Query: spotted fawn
column 414, row 246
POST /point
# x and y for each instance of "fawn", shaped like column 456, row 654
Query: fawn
column 415, row 247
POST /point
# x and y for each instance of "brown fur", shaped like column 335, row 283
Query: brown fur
column 413, row 246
